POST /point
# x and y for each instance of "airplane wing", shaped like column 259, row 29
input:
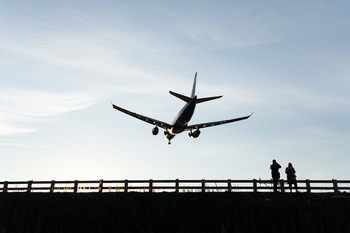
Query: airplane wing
column 149, row 120
column 215, row 123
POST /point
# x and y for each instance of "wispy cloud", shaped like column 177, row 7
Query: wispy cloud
column 22, row 145
column 22, row 107
column 229, row 27
column 112, row 57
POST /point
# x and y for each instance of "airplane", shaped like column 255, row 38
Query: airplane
column 182, row 119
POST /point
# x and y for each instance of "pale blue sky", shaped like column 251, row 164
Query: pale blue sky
column 63, row 61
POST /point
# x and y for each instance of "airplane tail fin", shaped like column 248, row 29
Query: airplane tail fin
column 201, row 100
column 194, row 86
column 193, row 94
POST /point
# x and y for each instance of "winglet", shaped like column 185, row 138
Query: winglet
column 194, row 86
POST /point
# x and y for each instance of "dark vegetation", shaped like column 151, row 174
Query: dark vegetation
column 174, row 212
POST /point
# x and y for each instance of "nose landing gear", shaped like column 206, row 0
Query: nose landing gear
column 169, row 136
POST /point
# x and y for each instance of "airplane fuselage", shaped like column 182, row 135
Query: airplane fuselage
column 180, row 123
column 181, row 120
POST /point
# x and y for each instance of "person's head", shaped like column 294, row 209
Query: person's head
column 290, row 165
column 274, row 161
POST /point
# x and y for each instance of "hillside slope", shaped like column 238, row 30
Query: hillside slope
column 174, row 212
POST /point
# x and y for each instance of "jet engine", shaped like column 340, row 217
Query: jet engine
column 155, row 130
column 195, row 134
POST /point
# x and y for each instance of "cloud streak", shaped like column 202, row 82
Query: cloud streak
column 24, row 107
column 22, row 145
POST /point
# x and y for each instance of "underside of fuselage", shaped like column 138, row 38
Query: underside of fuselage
column 169, row 136
column 181, row 120
column 185, row 115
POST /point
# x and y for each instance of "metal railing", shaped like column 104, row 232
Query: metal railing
column 99, row 186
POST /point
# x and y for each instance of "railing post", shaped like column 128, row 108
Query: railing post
column 335, row 185
column 52, row 188
column 150, row 186
column 100, row 186
column 126, row 186
column 29, row 187
column 177, row 185
column 6, row 185
column 229, row 186
column 255, row 186
column 282, row 185
column 76, row 186
column 203, row 185
column 308, row 187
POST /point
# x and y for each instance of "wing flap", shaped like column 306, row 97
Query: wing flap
column 215, row 123
column 149, row 120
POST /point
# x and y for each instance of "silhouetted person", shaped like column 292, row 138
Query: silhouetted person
column 291, row 177
column 275, row 174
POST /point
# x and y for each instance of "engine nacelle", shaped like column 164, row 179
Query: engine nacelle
column 195, row 134
column 155, row 130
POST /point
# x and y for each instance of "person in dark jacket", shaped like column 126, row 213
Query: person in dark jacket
column 275, row 174
column 291, row 177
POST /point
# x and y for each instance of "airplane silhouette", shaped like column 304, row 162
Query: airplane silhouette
column 180, row 122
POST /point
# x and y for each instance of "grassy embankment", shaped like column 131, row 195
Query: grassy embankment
column 171, row 212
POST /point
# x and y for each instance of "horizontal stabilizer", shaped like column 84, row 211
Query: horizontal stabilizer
column 184, row 98
column 188, row 99
column 201, row 100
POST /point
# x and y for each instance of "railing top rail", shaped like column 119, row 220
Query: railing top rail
column 14, row 182
column 315, row 181
column 343, row 181
column 165, row 181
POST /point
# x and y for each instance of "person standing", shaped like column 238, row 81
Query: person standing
column 275, row 174
column 291, row 177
